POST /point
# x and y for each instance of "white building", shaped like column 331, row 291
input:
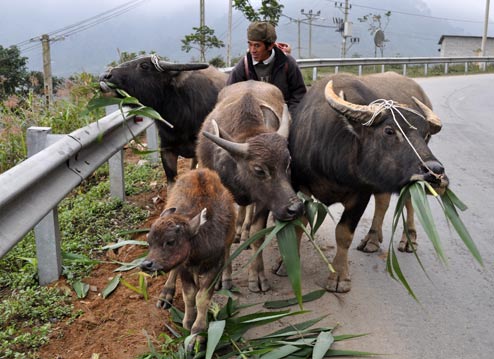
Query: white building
column 459, row 45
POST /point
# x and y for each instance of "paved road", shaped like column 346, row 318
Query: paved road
column 455, row 316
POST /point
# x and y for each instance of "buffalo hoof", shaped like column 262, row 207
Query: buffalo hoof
column 261, row 285
column 279, row 269
column 165, row 299
column 337, row 285
column 407, row 245
column 196, row 345
column 371, row 242
column 227, row 284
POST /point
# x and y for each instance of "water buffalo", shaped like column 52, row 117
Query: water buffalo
column 183, row 94
column 192, row 238
column 245, row 141
column 396, row 87
column 346, row 150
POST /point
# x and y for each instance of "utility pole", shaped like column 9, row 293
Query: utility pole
column 345, row 26
column 310, row 16
column 47, row 76
column 486, row 24
column 229, row 39
column 201, row 25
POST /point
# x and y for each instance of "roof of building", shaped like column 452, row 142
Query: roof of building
column 462, row 36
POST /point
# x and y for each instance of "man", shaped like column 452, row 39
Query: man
column 267, row 62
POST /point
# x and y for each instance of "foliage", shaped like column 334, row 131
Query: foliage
column 202, row 39
column 270, row 10
column 26, row 317
column 12, row 71
column 225, row 336
column 375, row 21
column 217, row 62
column 124, row 56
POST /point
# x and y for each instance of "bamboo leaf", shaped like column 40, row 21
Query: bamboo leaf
column 323, row 343
column 452, row 215
column 276, row 304
column 424, row 215
column 124, row 243
column 288, row 246
column 129, row 266
column 98, row 102
column 295, row 328
column 215, row 331
column 456, row 201
column 112, row 285
column 81, row 289
column 280, row 352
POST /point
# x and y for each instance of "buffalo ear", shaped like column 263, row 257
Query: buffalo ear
column 271, row 120
column 168, row 212
column 196, row 222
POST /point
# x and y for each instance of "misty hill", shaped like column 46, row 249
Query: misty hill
column 93, row 49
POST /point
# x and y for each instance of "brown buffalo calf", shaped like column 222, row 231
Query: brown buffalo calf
column 192, row 238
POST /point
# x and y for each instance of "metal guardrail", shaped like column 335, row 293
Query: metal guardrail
column 30, row 190
column 383, row 61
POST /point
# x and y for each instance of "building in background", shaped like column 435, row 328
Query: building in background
column 460, row 45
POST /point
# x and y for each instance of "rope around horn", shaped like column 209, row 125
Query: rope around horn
column 383, row 105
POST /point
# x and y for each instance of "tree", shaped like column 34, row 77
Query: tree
column 270, row 10
column 13, row 70
column 375, row 23
column 204, row 36
column 217, row 61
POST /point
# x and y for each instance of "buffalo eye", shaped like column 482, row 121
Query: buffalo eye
column 388, row 130
column 144, row 66
column 170, row 242
column 259, row 172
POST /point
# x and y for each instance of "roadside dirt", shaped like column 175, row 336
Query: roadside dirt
column 119, row 326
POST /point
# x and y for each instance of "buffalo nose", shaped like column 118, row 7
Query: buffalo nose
column 296, row 209
column 147, row 265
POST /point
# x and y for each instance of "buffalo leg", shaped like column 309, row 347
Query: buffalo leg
column 244, row 222
column 340, row 280
column 257, row 277
column 374, row 237
column 169, row 162
column 407, row 245
column 165, row 299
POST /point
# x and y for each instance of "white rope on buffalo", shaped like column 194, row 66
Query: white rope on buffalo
column 156, row 62
column 383, row 105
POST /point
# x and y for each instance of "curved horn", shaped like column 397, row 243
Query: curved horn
column 359, row 113
column 170, row 66
column 284, row 128
column 234, row 148
column 430, row 116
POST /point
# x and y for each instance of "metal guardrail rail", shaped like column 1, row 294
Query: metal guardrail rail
column 32, row 189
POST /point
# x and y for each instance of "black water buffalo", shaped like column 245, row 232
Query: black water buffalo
column 245, row 141
column 192, row 238
column 183, row 94
column 346, row 150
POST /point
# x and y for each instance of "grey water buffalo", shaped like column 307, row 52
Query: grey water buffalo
column 346, row 150
column 192, row 237
column 245, row 141
column 183, row 94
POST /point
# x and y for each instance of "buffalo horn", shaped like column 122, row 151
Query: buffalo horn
column 359, row 113
column 170, row 66
column 234, row 148
column 430, row 116
column 284, row 128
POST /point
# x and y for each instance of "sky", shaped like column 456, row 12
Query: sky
column 164, row 22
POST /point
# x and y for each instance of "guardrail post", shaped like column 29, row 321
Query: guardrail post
column 446, row 68
column 314, row 73
column 382, row 68
column 404, row 69
column 47, row 231
column 360, row 70
column 152, row 138
column 116, row 168
column 336, row 69
column 426, row 68
column 466, row 67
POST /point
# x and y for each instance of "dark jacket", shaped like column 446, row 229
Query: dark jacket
column 285, row 75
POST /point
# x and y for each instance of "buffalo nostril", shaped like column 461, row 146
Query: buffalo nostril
column 147, row 265
column 296, row 209
column 434, row 167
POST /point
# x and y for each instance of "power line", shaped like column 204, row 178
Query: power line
column 418, row 15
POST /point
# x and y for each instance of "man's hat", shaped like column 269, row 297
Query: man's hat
column 261, row 31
